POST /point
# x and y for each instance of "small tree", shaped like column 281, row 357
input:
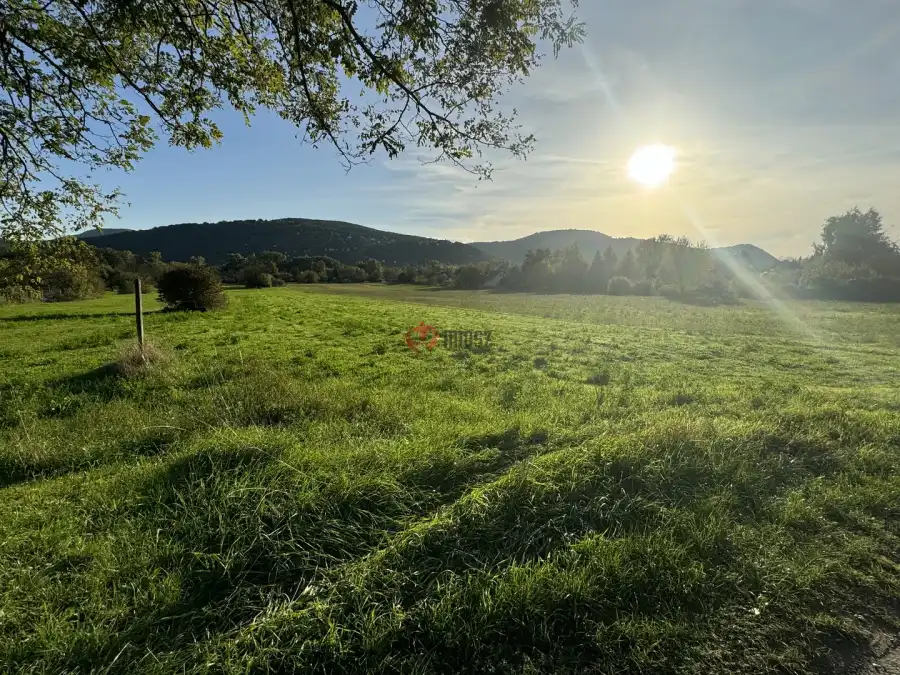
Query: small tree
column 469, row 277
column 256, row 277
column 308, row 277
column 191, row 287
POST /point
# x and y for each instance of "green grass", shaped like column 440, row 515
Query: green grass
column 616, row 485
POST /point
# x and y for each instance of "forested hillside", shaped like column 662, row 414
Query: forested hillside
column 590, row 243
column 293, row 237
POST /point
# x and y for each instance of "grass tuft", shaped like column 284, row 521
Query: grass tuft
column 135, row 360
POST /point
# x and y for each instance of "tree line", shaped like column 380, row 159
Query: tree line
column 70, row 269
column 855, row 260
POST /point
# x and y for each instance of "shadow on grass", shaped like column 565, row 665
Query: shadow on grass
column 62, row 315
column 21, row 469
column 104, row 383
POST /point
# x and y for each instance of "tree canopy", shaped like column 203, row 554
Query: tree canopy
column 93, row 84
column 858, row 239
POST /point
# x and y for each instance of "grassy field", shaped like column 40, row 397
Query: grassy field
column 617, row 485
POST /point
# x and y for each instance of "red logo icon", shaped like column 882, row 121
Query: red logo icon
column 422, row 335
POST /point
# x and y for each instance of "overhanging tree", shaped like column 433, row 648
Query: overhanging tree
column 93, row 84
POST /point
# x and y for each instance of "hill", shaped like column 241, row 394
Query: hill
column 589, row 242
column 346, row 242
column 105, row 232
column 759, row 259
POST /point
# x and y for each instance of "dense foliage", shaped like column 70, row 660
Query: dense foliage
column 292, row 237
column 659, row 266
column 64, row 269
column 856, row 260
column 92, row 85
column 191, row 287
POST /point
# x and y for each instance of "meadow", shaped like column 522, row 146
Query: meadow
column 614, row 485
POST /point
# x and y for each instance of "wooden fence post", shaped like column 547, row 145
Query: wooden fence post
column 139, row 313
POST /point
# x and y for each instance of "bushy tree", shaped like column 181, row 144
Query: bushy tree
column 859, row 240
column 256, row 277
column 191, row 287
column 470, row 277
column 374, row 270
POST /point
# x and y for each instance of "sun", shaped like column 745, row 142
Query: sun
column 651, row 165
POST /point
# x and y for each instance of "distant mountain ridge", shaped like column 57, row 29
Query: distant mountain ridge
column 343, row 241
column 590, row 241
column 351, row 243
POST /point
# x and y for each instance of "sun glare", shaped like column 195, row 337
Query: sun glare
column 651, row 165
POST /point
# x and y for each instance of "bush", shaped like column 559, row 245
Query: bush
column 620, row 286
column 191, row 287
column 257, row 278
column 308, row 277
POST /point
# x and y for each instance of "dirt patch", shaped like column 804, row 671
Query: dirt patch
column 880, row 657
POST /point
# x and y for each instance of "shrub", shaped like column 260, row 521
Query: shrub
column 191, row 287
column 308, row 277
column 257, row 278
column 278, row 281
column 620, row 286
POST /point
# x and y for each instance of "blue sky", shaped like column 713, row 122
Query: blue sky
column 783, row 112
